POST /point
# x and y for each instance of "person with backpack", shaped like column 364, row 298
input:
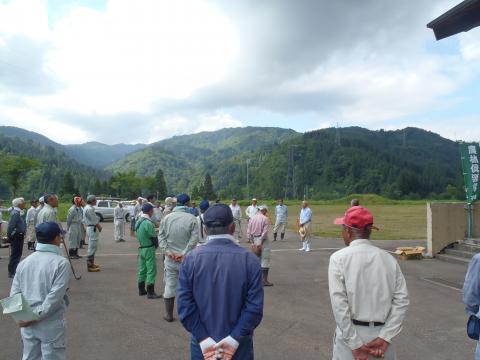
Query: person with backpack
column 147, row 262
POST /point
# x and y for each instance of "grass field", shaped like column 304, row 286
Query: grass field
column 397, row 219
column 396, row 222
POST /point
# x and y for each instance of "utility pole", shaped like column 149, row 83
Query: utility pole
column 248, row 183
column 290, row 183
column 337, row 136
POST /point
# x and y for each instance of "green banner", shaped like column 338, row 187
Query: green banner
column 470, row 154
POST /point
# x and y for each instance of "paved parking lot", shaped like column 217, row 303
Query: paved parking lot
column 108, row 320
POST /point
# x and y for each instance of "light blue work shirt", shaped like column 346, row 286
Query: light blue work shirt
column 43, row 279
column 281, row 214
column 305, row 216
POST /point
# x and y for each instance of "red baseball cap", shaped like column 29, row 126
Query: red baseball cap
column 356, row 217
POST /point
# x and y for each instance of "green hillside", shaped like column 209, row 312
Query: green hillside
column 100, row 155
column 54, row 165
column 410, row 163
column 186, row 159
column 93, row 154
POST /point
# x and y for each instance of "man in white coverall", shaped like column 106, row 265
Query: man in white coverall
column 368, row 292
column 92, row 222
column 74, row 227
column 119, row 222
column 42, row 278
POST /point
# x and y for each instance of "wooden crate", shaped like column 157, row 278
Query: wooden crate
column 410, row 253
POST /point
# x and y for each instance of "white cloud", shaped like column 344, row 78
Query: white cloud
column 149, row 69
column 470, row 45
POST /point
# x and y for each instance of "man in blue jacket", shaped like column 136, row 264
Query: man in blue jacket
column 16, row 234
column 220, row 293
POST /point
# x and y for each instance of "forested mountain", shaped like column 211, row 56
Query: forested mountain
column 409, row 163
column 186, row 159
column 53, row 166
column 100, row 155
column 329, row 163
column 92, row 154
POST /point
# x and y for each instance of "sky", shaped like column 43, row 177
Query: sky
column 123, row 71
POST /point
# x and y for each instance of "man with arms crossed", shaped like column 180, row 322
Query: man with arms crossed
column 367, row 290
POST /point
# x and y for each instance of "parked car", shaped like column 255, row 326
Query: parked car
column 104, row 209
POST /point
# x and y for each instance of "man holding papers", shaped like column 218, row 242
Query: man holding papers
column 42, row 278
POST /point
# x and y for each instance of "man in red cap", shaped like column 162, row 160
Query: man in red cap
column 367, row 290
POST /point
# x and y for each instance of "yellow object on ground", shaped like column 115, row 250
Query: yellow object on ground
column 409, row 253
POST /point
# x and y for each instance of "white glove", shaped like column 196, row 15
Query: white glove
column 208, row 349
column 227, row 347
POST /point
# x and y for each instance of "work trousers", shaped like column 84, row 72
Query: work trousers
column 341, row 351
column 132, row 224
column 238, row 228
column 308, row 233
column 244, row 351
column 119, row 231
column 147, row 265
column 170, row 277
column 16, row 250
column 44, row 340
column 265, row 258
column 279, row 226
column 93, row 236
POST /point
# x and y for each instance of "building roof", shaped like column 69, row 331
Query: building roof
column 463, row 17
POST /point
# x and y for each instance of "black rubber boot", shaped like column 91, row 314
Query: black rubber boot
column 274, row 236
column 76, row 254
column 169, row 304
column 151, row 292
column 71, row 253
column 282, row 236
column 265, row 277
column 141, row 289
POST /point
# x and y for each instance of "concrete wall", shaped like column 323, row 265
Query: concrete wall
column 447, row 223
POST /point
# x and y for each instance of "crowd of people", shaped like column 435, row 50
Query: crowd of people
column 219, row 285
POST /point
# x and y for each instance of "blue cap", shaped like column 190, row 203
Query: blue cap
column 218, row 215
column 48, row 231
column 146, row 207
column 204, row 205
column 183, row 199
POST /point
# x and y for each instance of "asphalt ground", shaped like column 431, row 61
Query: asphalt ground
column 108, row 320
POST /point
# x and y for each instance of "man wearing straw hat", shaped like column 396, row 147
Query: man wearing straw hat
column 305, row 226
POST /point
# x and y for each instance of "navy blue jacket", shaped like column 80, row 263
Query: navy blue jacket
column 16, row 224
column 220, row 291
